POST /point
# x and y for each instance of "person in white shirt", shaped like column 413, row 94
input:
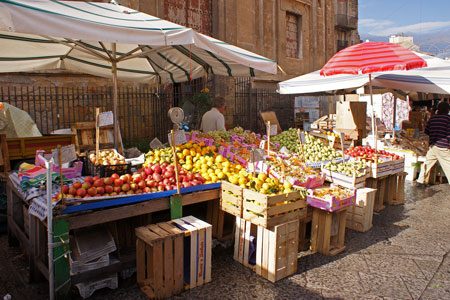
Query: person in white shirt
column 213, row 119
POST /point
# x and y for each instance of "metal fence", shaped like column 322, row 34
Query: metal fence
column 142, row 112
column 250, row 102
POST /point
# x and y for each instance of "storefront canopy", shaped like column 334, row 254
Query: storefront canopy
column 433, row 79
column 86, row 37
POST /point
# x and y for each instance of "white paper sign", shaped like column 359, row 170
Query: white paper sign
column 284, row 150
column 273, row 130
column 262, row 144
column 156, row 144
column 68, row 154
column 331, row 140
column 179, row 136
column 257, row 155
column 301, row 137
column 105, row 119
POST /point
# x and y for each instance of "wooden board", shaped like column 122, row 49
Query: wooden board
column 324, row 239
column 272, row 117
column 360, row 215
column 231, row 198
column 85, row 137
column 4, row 154
column 25, row 148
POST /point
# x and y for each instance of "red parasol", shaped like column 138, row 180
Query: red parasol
column 371, row 57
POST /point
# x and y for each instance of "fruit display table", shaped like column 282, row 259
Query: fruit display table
column 31, row 232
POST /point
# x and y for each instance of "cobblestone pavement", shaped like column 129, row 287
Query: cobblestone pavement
column 404, row 256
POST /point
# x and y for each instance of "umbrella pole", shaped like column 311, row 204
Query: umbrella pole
column 114, row 70
column 374, row 126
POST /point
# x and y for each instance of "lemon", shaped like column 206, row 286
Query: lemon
column 242, row 180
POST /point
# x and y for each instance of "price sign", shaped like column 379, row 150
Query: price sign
column 331, row 140
column 273, row 129
column 105, row 119
column 257, row 155
column 301, row 137
column 156, row 144
column 262, row 144
column 179, row 136
column 68, row 154
column 284, row 150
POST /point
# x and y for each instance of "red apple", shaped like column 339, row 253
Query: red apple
column 157, row 170
column 81, row 192
column 58, row 196
column 113, row 194
column 89, row 179
column 169, row 174
column 167, row 187
column 106, row 195
column 150, row 183
column 97, row 195
column 156, row 177
column 142, row 185
column 117, row 189
column 154, row 189
column 115, row 176
column 137, row 178
column 133, row 186
column 65, row 189
column 86, row 185
column 130, row 192
column 118, row 182
column 125, row 187
column 72, row 191
column 98, row 183
column 92, row 191
column 96, row 178
column 164, row 165
column 166, row 181
column 122, row 193
column 108, row 181
column 124, row 178
column 76, row 185
column 108, row 189
column 148, row 171
column 138, row 191
column 190, row 176
column 147, row 190
column 100, row 190
column 172, row 180
column 142, row 173
column 160, row 188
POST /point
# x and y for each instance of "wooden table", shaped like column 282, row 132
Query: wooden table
column 32, row 233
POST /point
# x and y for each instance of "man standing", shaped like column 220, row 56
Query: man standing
column 438, row 130
column 213, row 119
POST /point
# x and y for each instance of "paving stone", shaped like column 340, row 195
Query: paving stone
column 428, row 267
column 384, row 286
column 393, row 265
column 415, row 285
column 437, row 290
column 331, row 278
column 339, row 295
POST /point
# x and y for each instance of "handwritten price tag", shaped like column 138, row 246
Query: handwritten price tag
column 179, row 137
column 105, row 119
column 156, row 144
column 68, row 154
column 273, row 129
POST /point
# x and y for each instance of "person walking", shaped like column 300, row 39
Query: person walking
column 438, row 130
column 213, row 119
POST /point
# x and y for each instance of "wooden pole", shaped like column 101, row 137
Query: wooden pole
column 61, row 175
column 97, row 133
column 115, row 101
column 175, row 160
column 268, row 138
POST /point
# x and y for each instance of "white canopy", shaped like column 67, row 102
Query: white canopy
column 433, row 79
column 81, row 36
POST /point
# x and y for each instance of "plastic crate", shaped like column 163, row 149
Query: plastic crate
column 106, row 170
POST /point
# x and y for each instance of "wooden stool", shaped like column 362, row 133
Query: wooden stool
column 399, row 191
column 360, row 215
column 380, row 185
column 328, row 231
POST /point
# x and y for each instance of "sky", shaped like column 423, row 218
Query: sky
column 387, row 17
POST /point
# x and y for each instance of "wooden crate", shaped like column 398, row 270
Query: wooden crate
column 304, row 237
column 398, row 189
column 360, row 215
column 197, row 248
column 346, row 181
column 85, row 137
column 268, row 211
column 328, row 231
column 159, row 260
column 380, row 185
column 275, row 252
column 379, row 170
column 231, row 198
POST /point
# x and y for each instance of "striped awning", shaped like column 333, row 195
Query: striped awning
column 86, row 37
column 371, row 57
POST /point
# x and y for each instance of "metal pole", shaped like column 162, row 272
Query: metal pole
column 51, row 275
column 114, row 70
column 374, row 127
